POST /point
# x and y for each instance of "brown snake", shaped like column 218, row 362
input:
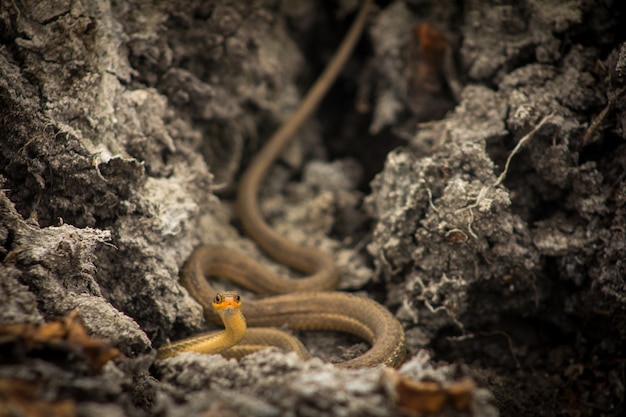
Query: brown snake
column 306, row 303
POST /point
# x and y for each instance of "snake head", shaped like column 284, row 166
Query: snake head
column 227, row 302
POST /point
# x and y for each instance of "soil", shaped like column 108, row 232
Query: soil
column 467, row 171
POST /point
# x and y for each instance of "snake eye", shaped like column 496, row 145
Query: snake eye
column 218, row 298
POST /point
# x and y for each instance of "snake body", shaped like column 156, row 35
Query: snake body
column 310, row 310
column 227, row 305
column 307, row 303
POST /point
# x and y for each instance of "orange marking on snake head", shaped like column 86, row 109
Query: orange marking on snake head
column 224, row 300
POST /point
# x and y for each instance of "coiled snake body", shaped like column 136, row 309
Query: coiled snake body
column 307, row 303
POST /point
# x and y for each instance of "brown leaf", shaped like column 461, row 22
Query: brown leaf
column 428, row 397
column 67, row 333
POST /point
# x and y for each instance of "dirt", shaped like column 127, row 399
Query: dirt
column 466, row 171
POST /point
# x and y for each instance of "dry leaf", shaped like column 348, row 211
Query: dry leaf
column 68, row 333
column 428, row 397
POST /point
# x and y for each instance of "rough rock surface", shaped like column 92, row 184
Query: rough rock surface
column 495, row 234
